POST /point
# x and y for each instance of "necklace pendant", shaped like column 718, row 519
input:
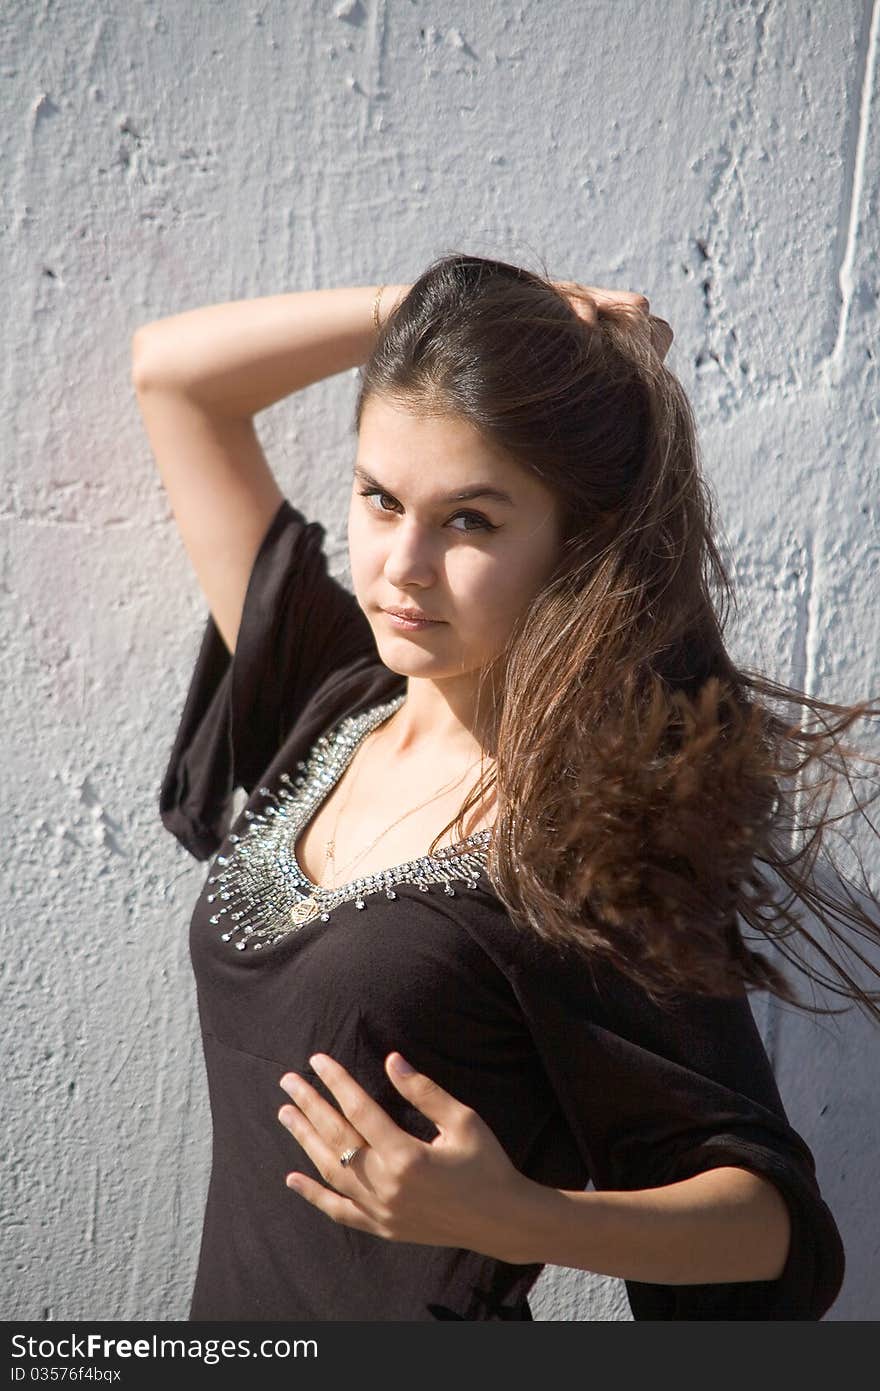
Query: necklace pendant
column 304, row 910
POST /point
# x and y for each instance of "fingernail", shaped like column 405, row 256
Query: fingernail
column 317, row 1062
column 400, row 1064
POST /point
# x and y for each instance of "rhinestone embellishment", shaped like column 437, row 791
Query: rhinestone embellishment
column 264, row 892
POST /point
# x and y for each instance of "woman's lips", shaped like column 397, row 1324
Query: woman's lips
column 411, row 625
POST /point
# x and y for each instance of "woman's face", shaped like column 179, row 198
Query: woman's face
column 473, row 564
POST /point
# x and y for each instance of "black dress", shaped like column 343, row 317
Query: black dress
column 579, row 1081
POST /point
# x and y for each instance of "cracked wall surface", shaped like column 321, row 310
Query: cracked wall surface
column 723, row 158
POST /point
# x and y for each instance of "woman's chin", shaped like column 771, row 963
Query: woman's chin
column 408, row 662
column 399, row 653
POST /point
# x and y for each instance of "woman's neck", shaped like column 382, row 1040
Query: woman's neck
column 437, row 719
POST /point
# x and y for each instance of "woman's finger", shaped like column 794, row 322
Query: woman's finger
column 638, row 301
column 661, row 335
column 366, row 1115
column 427, row 1096
column 588, row 300
column 337, row 1207
column 324, row 1153
column 585, row 299
column 327, row 1120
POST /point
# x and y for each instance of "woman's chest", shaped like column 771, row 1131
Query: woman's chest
column 257, row 887
column 402, row 964
column 380, row 827
column 401, row 975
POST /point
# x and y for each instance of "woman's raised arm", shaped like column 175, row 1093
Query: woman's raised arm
column 200, row 377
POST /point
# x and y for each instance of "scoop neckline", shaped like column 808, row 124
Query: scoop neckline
column 267, row 895
column 382, row 712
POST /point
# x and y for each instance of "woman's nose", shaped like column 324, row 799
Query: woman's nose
column 410, row 559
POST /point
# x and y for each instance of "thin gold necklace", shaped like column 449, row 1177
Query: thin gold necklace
column 330, row 845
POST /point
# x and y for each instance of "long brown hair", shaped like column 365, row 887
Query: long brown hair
column 648, row 790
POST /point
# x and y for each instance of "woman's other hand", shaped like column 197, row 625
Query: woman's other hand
column 588, row 300
column 458, row 1190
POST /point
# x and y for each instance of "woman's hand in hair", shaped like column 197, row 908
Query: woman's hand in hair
column 588, row 302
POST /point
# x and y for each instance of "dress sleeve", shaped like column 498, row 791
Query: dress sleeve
column 653, row 1096
column 299, row 627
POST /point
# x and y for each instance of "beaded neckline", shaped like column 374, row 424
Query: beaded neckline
column 265, row 893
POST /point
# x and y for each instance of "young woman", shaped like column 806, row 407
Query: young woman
column 507, row 803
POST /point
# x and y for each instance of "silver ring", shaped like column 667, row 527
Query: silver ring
column 346, row 1158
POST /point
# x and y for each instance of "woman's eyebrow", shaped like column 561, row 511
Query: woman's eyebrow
column 463, row 495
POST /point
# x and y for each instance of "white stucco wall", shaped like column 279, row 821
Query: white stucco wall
column 722, row 157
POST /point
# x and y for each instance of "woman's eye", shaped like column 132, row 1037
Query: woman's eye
column 481, row 523
column 374, row 492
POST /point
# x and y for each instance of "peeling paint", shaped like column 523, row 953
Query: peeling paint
column 855, row 163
